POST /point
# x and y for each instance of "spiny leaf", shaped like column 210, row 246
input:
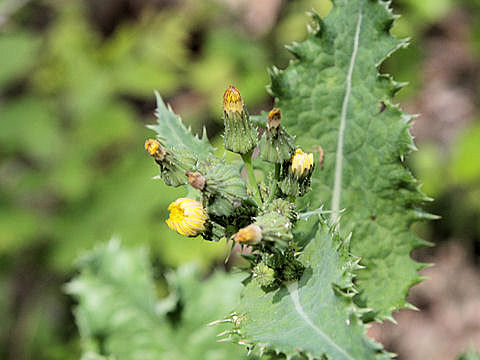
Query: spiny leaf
column 315, row 316
column 173, row 133
column 333, row 96
column 120, row 317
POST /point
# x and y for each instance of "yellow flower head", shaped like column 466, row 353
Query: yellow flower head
column 252, row 234
column 232, row 100
column 273, row 119
column 302, row 163
column 187, row 217
column 154, row 148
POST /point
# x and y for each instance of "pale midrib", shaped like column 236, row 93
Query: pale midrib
column 293, row 290
column 337, row 185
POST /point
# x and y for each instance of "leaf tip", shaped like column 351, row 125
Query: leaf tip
column 295, row 50
column 318, row 24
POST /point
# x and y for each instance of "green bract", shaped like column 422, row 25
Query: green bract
column 225, row 188
column 276, row 145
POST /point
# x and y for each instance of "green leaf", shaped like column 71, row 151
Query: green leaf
column 21, row 48
column 173, row 133
column 314, row 316
column 120, row 317
column 333, row 96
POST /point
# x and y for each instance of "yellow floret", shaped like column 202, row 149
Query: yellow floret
column 152, row 146
column 187, row 217
column 301, row 163
column 232, row 100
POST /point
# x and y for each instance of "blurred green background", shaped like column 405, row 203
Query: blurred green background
column 76, row 91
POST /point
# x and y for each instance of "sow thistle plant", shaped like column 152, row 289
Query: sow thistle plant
column 315, row 278
column 227, row 206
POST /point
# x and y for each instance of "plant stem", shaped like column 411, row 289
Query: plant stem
column 275, row 183
column 247, row 159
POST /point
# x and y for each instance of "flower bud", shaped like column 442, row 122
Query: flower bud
column 276, row 229
column 155, row 150
column 302, row 163
column 263, row 274
column 173, row 162
column 240, row 134
column 273, row 119
column 284, row 208
column 270, row 227
column 196, row 180
column 224, row 189
column 276, row 144
column 252, row 234
column 187, row 217
column 232, row 101
column 297, row 173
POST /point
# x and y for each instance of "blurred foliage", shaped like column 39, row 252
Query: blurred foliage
column 120, row 317
column 453, row 179
column 470, row 354
column 74, row 99
column 76, row 89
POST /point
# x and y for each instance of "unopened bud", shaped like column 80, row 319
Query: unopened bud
column 275, row 228
column 283, row 208
column 302, row 163
column 196, row 180
column 155, row 150
column 273, row 119
column 252, row 234
column 263, row 274
column 224, row 188
column 296, row 175
column 232, row 101
column 240, row 136
column 276, row 144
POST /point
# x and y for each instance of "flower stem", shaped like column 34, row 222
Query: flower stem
column 275, row 183
column 247, row 159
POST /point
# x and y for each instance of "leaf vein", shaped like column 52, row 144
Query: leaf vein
column 293, row 290
column 337, row 185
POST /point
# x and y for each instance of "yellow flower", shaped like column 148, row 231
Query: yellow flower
column 302, row 163
column 252, row 234
column 232, row 100
column 187, row 217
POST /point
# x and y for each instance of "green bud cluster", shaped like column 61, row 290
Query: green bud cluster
column 226, row 204
column 224, row 195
